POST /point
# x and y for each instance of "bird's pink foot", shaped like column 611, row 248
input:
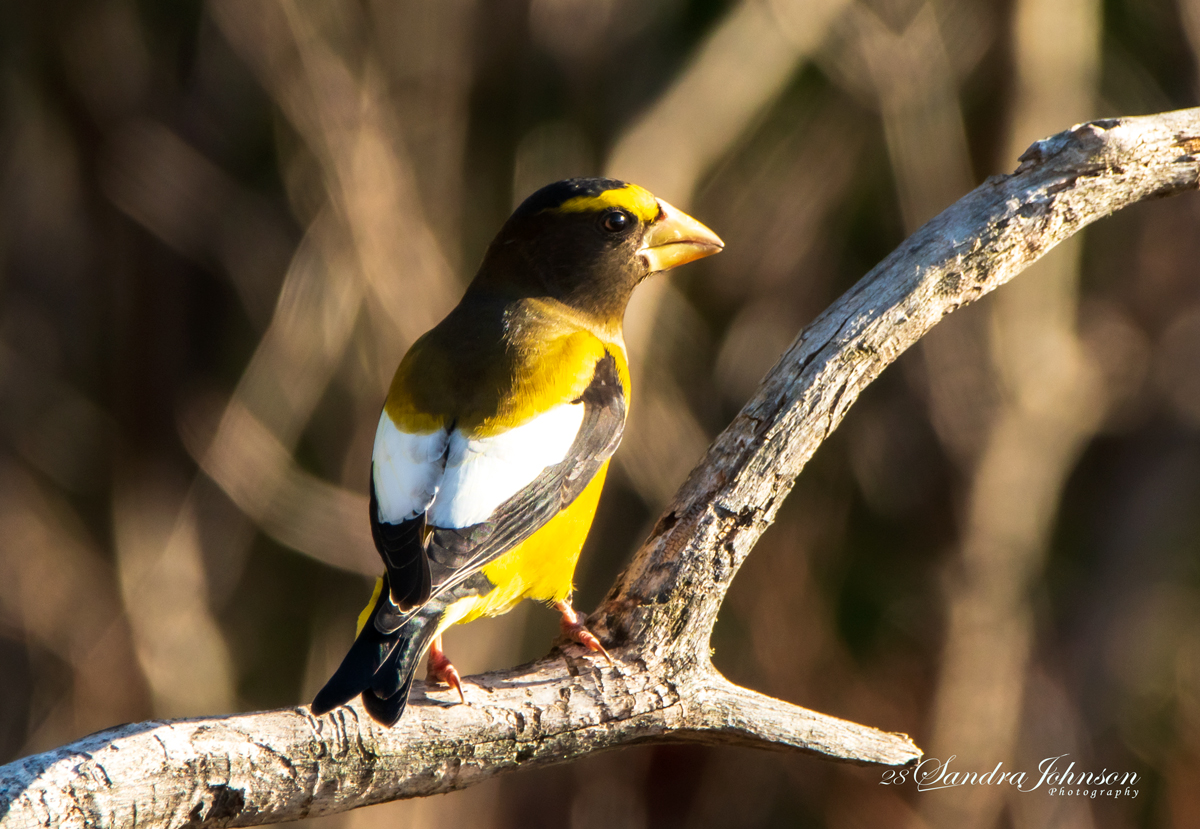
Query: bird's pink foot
column 573, row 629
column 441, row 670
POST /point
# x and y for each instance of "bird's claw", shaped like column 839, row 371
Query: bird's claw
column 574, row 630
column 441, row 670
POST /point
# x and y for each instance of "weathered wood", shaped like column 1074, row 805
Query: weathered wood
column 273, row 766
column 281, row 765
column 668, row 598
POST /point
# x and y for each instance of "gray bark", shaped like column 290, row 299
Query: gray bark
column 272, row 766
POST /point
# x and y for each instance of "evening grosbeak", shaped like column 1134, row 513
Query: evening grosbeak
column 498, row 428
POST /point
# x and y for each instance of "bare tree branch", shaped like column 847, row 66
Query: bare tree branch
column 280, row 765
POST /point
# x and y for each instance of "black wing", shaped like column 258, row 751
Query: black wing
column 402, row 548
column 433, row 561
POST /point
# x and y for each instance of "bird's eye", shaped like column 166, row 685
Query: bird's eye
column 615, row 221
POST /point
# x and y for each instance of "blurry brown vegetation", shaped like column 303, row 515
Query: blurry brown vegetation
column 222, row 223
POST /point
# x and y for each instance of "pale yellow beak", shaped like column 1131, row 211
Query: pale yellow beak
column 675, row 238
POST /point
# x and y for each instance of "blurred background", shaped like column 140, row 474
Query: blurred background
column 222, row 223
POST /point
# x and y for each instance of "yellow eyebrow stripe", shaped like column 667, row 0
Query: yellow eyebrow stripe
column 636, row 200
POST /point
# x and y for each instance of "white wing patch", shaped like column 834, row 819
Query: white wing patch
column 407, row 469
column 483, row 473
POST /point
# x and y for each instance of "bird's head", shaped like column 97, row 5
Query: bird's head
column 588, row 242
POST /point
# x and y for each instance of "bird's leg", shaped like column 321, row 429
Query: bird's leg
column 574, row 630
column 440, row 670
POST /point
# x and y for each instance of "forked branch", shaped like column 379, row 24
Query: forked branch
column 273, row 766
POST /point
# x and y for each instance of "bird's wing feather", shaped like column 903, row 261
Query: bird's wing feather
column 492, row 497
column 405, row 471
column 483, row 473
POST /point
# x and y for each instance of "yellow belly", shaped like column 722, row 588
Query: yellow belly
column 541, row 567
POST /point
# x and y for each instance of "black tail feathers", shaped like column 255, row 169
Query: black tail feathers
column 379, row 665
column 387, row 697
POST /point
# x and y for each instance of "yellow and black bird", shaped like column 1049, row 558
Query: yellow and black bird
column 498, row 429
